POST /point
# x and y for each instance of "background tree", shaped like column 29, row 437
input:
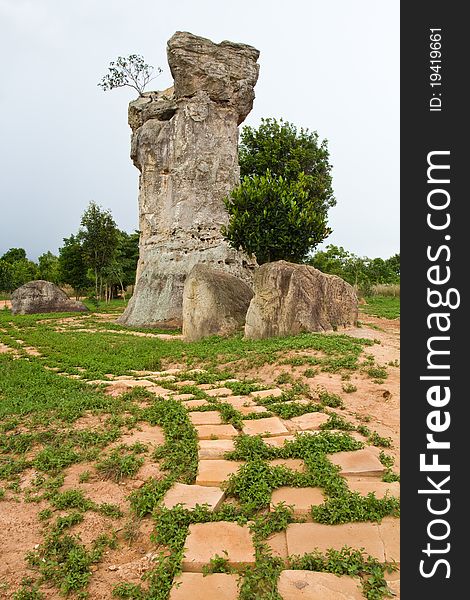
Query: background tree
column 131, row 71
column 14, row 254
column 6, row 276
column 16, row 269
column 73, row 269
column 48, row 267
column 362, row 272
column 280, row 209
column 99, row 238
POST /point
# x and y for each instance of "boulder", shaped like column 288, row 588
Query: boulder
column 42, row 297
column 290, row 299
column 214, row 303
column 185, row 145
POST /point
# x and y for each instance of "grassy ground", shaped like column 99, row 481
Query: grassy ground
column 387, row 307
column 44, row 391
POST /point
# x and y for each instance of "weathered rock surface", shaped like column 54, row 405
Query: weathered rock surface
column 214, row 303
column 184, row 142
column 290, row 299
column 42, row 297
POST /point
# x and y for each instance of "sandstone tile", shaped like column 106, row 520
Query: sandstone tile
column 302, row 499
column 164, row 378
column 218, row 392
column 311, row 585
column 215, row 472
column 308, row 421
column 279, row 440
column 194, row 586
column 205, row 386
column 239, row 401
column 260, row 394
column 210, row 417
column 220, row 432
column 191, row 495
column 367, row 485
column 294, row 464
column 306, row 537
column 184, row 397
column 389, row 530
column 192, row 403
column 186, row 382
column 213, row 449
column 205, row 540
column 268, row 426
column 158, row 390
column 278, row 544
column 247, row 410
column 358, row 462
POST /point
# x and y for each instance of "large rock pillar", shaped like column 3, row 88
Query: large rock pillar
column 185, row 144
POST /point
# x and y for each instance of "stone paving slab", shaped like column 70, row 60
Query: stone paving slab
column 213, row 449
column 205, row 540
column 158, row 390
column 367, row 485
column 358, row 462
column 389, row 530
column 191, row 495
column 268, row 426
column 220, row 432
column 306, row 537
column 192, row 403
column 302, row 499
column 261, row 394
column 215, row 472
column 185, row 382
column 239, row 401
column 248, row 410
column 210, row 417
column 278, row 544
column 311, row 585
column 279, row 440
column 184, row 397
column 219, row 392
column 196, row 586
column 308, row 421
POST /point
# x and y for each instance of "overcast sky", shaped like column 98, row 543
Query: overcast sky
column 329, row 65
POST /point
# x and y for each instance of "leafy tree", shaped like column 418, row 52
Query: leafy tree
column 23, row 270
column 131, row 72
column 6, row 276
column 49, row 267
column 99, row 242
column 121, row 271
column 16, row 269
column 72, row 265
column 280, row 209
column 274, row 219
column 14, row 254
column 362, row 272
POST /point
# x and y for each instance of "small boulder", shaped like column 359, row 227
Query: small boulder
column 291, row 298
column 42, row 297
column 214, row 303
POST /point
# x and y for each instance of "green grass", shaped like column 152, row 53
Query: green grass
column 45, row 404
column 387, row 307
column 120, row 354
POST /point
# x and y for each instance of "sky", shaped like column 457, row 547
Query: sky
column 331, row 66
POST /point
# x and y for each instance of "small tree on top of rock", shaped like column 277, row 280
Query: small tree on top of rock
column 280, row 209
column 131, row 71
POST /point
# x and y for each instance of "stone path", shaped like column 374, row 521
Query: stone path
column 361, row 469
